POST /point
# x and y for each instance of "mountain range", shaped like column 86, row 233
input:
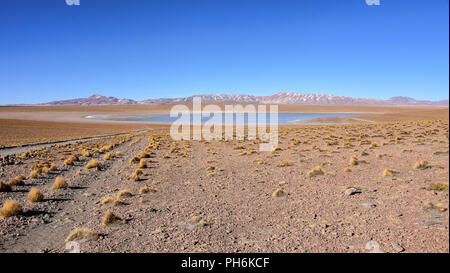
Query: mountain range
column 278, row 98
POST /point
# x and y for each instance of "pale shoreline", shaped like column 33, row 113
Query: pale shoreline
column 27, row 125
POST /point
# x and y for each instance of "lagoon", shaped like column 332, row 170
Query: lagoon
column 238, row 118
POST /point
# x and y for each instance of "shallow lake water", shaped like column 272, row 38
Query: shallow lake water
column 236, row 118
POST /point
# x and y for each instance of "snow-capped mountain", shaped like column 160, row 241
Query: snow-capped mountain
column 278, row 98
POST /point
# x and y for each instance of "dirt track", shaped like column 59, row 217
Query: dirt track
column 235, row 199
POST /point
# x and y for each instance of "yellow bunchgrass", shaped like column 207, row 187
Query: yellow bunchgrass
column 59, row 183
column 10, row 208
column 34, row 195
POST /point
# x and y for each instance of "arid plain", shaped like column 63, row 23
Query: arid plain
column 378, row 180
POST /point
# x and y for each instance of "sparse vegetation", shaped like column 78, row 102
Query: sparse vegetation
column 123, row 193
column 82, row 234
column 34, row 195
column 422, row 165
column 285, row 163
column 142, row 163
column 135, row 175
column 10, row 208
column 59, row 183
column 92, row 164
column 315, row 172
column 33, row 174
column 198, row 220
column 110, row 218
column 438, row 187
column 145, row 190
column 279, row 193
column 17, row 181
column 390, row 172
column 108, row 156
column 430, row 206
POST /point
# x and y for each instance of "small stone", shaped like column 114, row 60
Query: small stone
column 351, row 191
column 368, row 204
column 373, row 247
column 397, row 247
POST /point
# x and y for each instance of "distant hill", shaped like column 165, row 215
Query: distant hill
column 278, row 98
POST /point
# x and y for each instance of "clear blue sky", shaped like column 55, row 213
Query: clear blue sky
column 166, row 48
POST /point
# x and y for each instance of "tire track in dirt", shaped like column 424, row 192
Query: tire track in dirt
column 70, row 208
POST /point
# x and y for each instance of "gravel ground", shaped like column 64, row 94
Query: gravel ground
column 218, row 196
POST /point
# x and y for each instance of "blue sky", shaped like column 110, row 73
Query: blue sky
column 167, row 48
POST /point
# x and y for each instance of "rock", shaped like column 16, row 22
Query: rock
column 373, row 247
column 368, row 205
column 352, row 191
column 397, row 247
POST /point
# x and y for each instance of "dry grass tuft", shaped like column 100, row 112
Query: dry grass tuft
column 92, row 164
column 373, row 145
column 239, row 147
column 198, row 220
column 123, row 193
column 110, row 201
column 107, row 200
column 108, row 156
column 135, row 160
column 304, row 160
column 142, row 163
column 383, row 155
column 60, row 183
column 82, row 234
column 347, row 170
column 438, row 187
column 261, row 161
column 421, row 165
column 10, row 208
column 109, row 218
column 315, row 172
column 53, row 167
column 17, row 181
column 353, row 161
column 431, row 206
column 390, row 172
column 279, row 193
column 285, row 163
column 33, row 174
column 34, row 195
column 135, row 175
column 86, row 153
column 145, row 190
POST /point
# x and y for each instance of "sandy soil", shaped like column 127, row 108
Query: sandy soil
column 35, row 124
column 218, row 196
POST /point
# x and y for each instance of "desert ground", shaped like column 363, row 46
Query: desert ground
column 378, row 180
